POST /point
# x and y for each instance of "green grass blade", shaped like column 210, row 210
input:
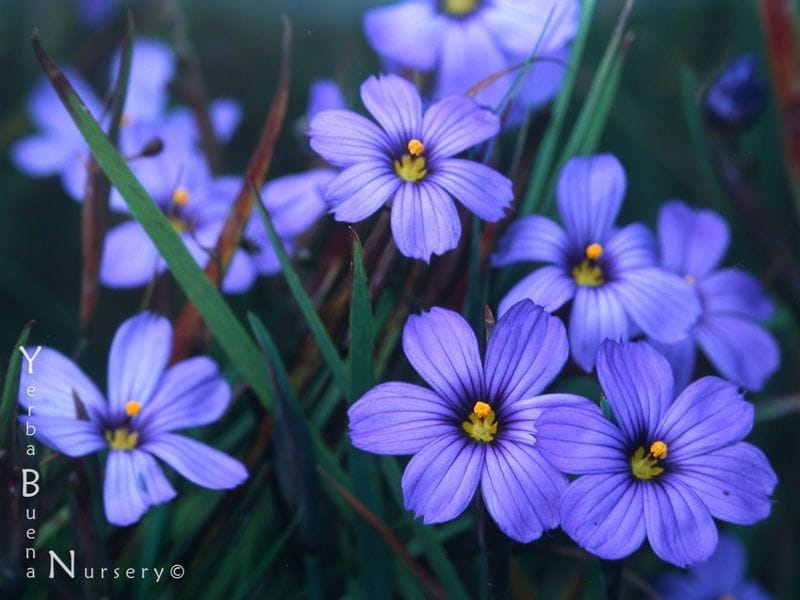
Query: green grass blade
column 225, row 327
column 8, row 405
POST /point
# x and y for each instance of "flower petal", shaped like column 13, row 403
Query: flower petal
column 580, row 440
column 520, row 25
column 741, row 351
column 709, row 414
column 637, row 381
column 152, row 66
column 597, row 315
column 455, row 124
column 344, row 138
column 441, row 479
column 548, row 286
column 396, row 106
column 408, row 33
column 191, row 393
column 442, row 348
column 133, row 482
column 139, row 355
column 324, row 94
column 692, row 241
column 734, row 482
column 632, row 247
column 604, row 514
column 57, row 381
column 681, row 356
column 295, row 202
column 484, row 191
column 199, row 463
column 399, row 418
column 525, row 352
column 43, row 154
column 589, row 195
column 241, row 274
column 679, row 527
column 360, row 190
column 424, row 221
column 521, row 490
column 663, row 305
column 225, row 115
column 533, row 238
column 129, row 257
column 68, row 435
column 734, row 292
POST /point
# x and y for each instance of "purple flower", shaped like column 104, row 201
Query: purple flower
column 610, row 274
column 466, row 41
column 478, row 423
column 721, row 576
column 664, row 469
column 693, row 243
column 147, row 403
column 407, row 160
column 738, row 95
column 324, row 94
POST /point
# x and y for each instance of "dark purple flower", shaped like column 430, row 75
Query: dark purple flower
column 478, row 423
column 407, row 159
column 466, row 41
column 721, row 576
column 611, row 274
column 664, row 469
column 147, row 402
column 738, row 95
column 693, row 243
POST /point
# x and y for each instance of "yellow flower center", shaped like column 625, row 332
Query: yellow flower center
column 122, row 439
column 459, row 8
column 178, row 224
column 481, row 424
column 410, row 168
column 645, row 466
column 180, row 196
column 588, row 273
column 132, row 408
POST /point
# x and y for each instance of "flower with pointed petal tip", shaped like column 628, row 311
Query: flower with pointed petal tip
column 477, row 425
column 407, row 160
column 467, row 41
column 610, row 274
column 693, row 243
column 721, row 576
column 664, row 469
column 147, row 402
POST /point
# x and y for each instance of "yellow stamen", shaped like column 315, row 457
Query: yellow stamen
column 410, row 169
column 658, row 449
column 481, row 424
column 594, row 251
column 122, row 439
column 177, row 224
column 690, row 279
column 587, row 274
column 460, row 8
column 415, row 147
column 180, row 196
column 132, row 408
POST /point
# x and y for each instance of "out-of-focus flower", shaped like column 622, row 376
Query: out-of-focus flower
column 478, row 423
column 147, row 402
column 721, row 576
column 736, row 98
column 324, row 94
column 466, row 41
column 664, row 469
column 611, row 274
column 693, row 243
column 407, row 160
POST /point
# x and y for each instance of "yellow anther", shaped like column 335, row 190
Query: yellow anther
column 132, row 408
column 594, row 251
column 177, row 224
column 409, row 168
column 122, row 439
column 415, row 147
column 460, row 8
column 180, row 196
column 482, row 410
column 658, row 449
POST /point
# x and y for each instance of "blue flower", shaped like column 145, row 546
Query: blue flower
column 147, row 402
column 693, row 243
column 610, row 274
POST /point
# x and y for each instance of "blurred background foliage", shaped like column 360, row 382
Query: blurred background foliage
column 253, row 541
